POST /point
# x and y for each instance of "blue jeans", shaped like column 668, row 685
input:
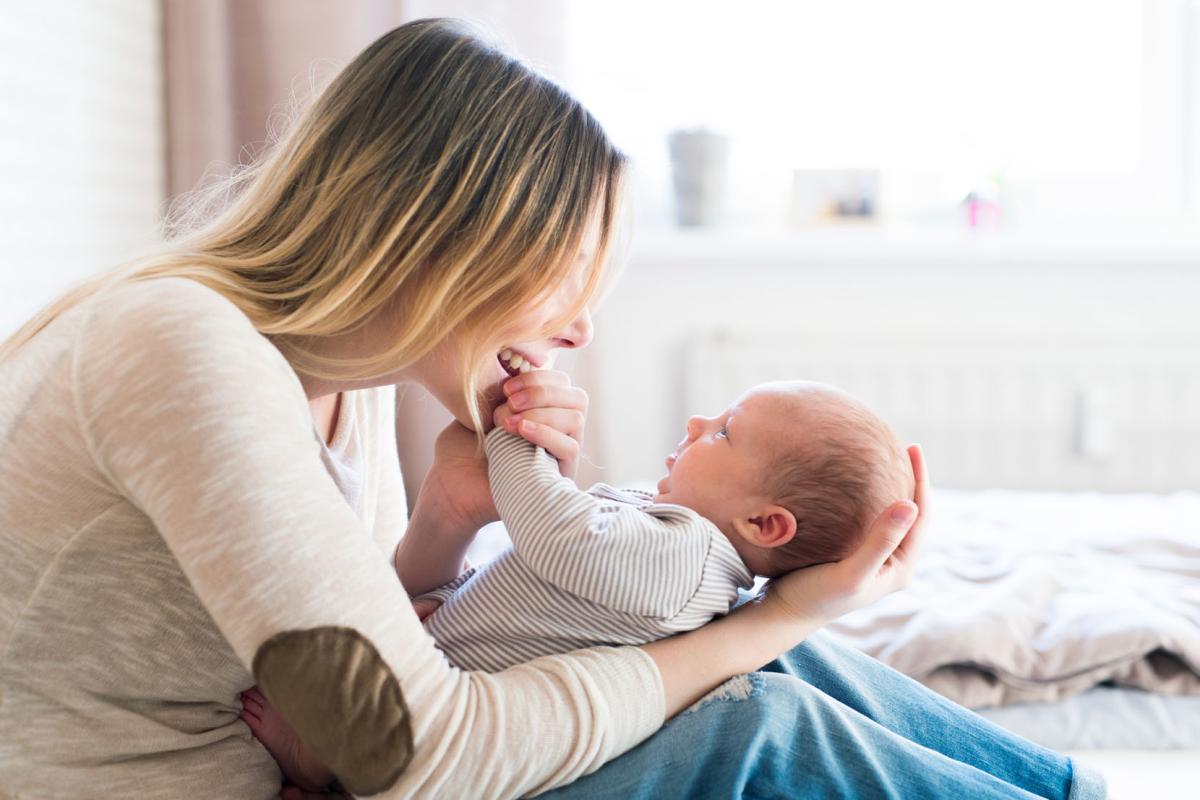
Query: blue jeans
column 826, row 721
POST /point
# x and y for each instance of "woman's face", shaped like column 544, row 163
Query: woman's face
column 526, row 345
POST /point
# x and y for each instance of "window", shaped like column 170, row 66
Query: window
column 1071, row 112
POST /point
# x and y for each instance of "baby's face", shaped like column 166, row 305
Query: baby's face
column 717, row 469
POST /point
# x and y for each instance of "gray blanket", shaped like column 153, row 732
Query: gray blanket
column 1027, row 597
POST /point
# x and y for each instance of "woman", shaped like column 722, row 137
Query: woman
column 172, row 529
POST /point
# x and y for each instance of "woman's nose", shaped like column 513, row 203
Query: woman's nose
column 579, row 333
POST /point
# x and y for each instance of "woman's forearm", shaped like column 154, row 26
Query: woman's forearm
column 692, row 664
column 433, row 551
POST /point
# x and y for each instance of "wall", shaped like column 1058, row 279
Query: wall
column 81, row 145
column 679, row 288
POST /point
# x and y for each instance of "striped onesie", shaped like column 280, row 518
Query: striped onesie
column 604, row 566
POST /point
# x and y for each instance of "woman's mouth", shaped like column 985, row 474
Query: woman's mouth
column 514, row 363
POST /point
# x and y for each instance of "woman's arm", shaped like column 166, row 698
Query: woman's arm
column 200, row 423
column 691, row 664
column 453, row 504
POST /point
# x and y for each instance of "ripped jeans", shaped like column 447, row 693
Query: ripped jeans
column 826, row 721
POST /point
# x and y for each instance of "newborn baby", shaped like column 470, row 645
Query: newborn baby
column 791, row 475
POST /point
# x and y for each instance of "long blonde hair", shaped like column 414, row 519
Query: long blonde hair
column 434, row 168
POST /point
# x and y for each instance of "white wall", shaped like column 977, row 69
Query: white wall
column 81, row 144
column 870, row 285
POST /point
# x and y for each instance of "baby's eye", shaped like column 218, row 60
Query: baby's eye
column 723, row 432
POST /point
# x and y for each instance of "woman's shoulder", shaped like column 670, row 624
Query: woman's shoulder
column 162, row 305
column 174, row 333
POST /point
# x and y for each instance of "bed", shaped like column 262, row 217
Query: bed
column 1131, row 576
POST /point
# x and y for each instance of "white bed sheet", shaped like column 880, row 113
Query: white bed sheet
column 1107, row 718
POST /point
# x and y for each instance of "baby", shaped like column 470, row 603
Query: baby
column 790, row 475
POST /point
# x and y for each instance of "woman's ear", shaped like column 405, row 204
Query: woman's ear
column 773, row 527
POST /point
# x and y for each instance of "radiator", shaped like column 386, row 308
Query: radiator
column 1103, row 415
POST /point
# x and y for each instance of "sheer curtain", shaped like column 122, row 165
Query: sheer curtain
column 231, row 64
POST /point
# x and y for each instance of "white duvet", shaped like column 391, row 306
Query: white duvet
column 1027, row 597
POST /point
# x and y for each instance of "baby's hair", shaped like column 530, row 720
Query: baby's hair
column 842, row 471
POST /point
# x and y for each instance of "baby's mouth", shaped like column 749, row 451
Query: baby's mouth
column 514, row 363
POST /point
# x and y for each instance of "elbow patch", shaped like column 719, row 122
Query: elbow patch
column 343, row 700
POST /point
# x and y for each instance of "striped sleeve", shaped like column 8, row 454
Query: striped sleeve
column 610, row 553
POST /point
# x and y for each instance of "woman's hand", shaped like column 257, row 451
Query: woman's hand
column 882, row 564
column 457, row 483
column 544, row 408
column 455, row 501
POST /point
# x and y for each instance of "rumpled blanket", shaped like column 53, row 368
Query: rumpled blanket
column 1033, row 597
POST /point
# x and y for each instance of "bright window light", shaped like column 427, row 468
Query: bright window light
column 1040, row 97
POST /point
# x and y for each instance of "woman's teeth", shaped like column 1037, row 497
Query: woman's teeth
column 514, row 363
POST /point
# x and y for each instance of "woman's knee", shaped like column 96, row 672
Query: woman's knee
column 754, row 735
column 763, row 706
column 778, row 731
column 821, row 657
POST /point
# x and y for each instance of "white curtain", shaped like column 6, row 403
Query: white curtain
column 231, row 64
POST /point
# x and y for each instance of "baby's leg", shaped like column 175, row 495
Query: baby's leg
column 295, row 759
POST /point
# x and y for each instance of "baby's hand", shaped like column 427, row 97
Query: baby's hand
column 545, row 409
column 298, row 763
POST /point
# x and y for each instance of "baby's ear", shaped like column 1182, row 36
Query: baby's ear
column 773, row 527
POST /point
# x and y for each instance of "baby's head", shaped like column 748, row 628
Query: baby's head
column 793, row 473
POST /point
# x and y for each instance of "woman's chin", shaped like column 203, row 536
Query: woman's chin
column 491, row 397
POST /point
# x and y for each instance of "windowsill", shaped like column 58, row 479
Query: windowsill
column 873, row 245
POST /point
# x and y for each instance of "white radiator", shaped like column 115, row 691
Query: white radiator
column 1014, row 414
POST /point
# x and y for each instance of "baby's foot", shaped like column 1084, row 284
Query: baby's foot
column 298, row 763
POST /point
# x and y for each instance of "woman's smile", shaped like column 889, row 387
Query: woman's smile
column 516, row 362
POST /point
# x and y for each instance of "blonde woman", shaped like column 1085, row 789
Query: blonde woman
column 199, row 491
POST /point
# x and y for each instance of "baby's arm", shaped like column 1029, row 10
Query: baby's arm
column 610, row 553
